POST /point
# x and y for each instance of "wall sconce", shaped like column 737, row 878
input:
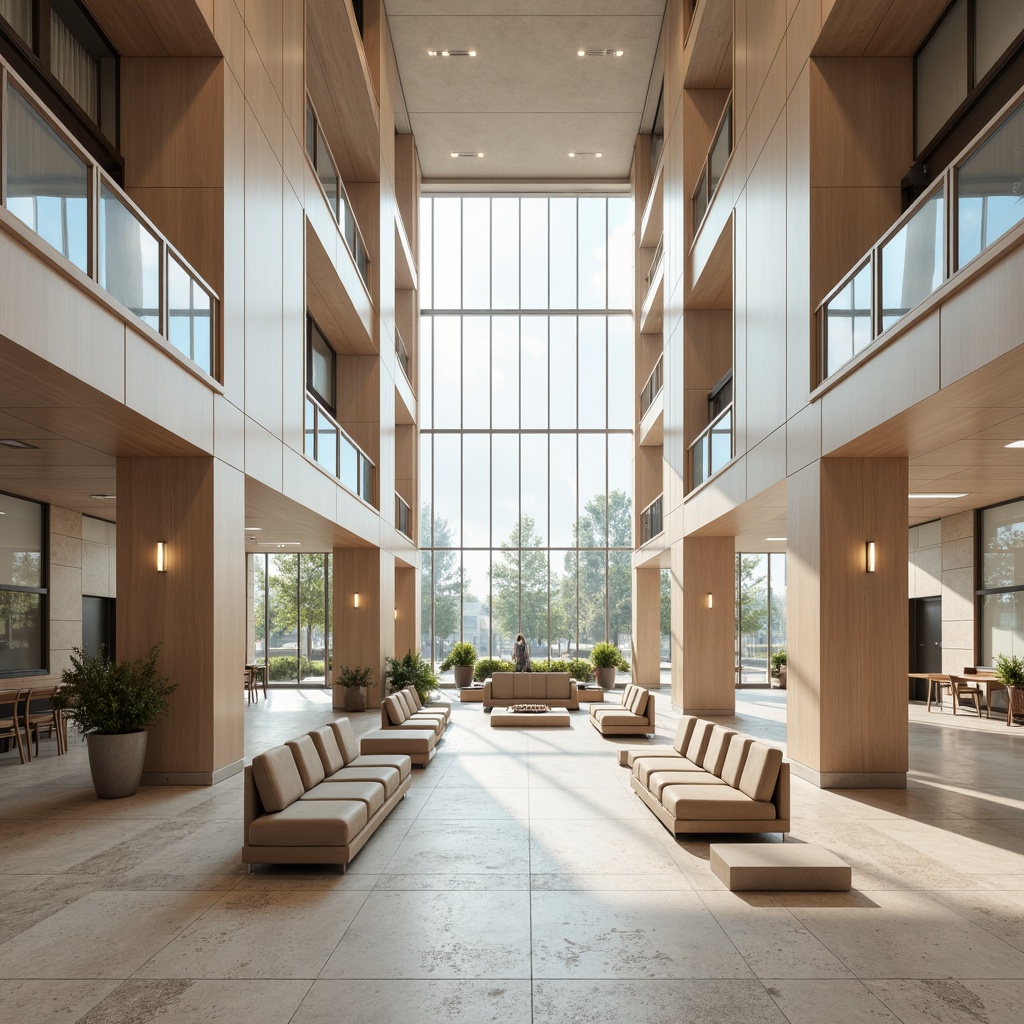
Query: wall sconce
column 355, row 600
column 711, row 600
column 161, row 556
column 869, row 557
column 396, row 614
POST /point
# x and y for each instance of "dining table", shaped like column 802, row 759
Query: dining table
column 986, row 679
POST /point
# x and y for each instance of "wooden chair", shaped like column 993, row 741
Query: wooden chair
column 961, row 687
column 936, row 684
column 35, row 718
column 249, row 681
column 10, row 728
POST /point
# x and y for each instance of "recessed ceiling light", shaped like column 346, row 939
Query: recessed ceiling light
column 1014, row 444
column 578, row 153
column 10, row 442
column 103, row 497
column 280, row 544
column 775, row 538
column 254, row 529
column 451, row 53
column 600, row 53
column 455, row 156
column 940, row 495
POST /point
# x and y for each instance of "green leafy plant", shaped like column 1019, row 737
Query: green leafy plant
column 1010, row 669
column 410, row 670
column 605, row 655
column 581, row 670
column 282, row 668
column 113, row 697
column 486, row 667
column 358, row 676
column 778, row 659
column 462, row 655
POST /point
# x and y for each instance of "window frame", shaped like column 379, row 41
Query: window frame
column 43, row 592
column 330, row 404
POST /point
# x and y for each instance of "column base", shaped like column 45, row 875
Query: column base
column 192, row 778
column 848, row 780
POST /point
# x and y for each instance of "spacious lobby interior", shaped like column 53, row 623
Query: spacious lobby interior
column 332, row 330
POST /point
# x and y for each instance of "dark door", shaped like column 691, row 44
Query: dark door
column 925, row 640
column 98, row 624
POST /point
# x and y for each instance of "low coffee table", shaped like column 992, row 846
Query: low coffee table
column 590, row 694
column 507, row 718
column 472, row 694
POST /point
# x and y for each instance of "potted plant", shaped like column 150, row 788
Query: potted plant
column 606, row 658
column 461, row 658
column 778, row 669
column 410, row 670
column 354, row 680
column 113, row 702
column 1010, row 672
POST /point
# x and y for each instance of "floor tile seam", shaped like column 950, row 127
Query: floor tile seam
column 1019, row 945
column 771, row 995
column 298, row 1005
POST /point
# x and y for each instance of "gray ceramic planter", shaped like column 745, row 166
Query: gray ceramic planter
column 463, row 676
column 115, row 761
column 606, row 678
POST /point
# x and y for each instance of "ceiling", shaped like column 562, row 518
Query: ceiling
column 526, row 100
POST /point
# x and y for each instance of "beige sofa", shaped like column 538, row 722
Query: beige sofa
column 314, row 800
column 634, row 716
column 712, row 779
column 404, row 710
column 555, row 689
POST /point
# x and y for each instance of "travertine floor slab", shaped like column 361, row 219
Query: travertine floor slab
column 520, row 881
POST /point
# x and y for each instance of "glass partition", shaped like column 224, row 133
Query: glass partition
column 848, row 320
column 129, row 259
column 189, row 315
column 712, row 450
column 912, row 261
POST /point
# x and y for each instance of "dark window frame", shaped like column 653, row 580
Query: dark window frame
column 329, row 403
column 43, row 592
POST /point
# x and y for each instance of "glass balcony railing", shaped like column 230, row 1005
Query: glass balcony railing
column 651, row 521
column 712, row 450
column 329, row 446
column 659, row 253
column 56, row 190
column 402, row 354
column 326, row 170
column 652, row 388
column 979, row 198
column 403, row 516
column 714, row 167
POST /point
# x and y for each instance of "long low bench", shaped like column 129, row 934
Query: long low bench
column 712, row 779
column 634, row 716
column 556, row 689
column 407, row 727
column 317, row 800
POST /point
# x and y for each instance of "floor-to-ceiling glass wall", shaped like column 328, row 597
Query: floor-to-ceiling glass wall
column 760, row 615
column 526, row 412
column 292, row 610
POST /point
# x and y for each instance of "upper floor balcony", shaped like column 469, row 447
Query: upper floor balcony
column 330, row 447
column 79, row 216
column 712, row 450
column 652, row 521
column 938, row 244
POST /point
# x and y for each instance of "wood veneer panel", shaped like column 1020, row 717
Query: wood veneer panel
column 646, row 662
column 154, row 28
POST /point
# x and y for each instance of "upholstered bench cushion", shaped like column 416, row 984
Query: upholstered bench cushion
column 415, row 743
column 326, row 744
column 683, row 732
column 310, row 823
column 501, row 685
column 645, row 767
column 699, row 739
column 658, row 781
column 277, row 778
column 400, row 761
column 735, row 760
column 717, row 749
column 307, row 760
column 761, row 771
column 714, row 803
column 619, row 717
column 342, row 729
column 389, row 778
column 370, row 793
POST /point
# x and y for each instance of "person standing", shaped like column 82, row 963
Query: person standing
column 521, row 654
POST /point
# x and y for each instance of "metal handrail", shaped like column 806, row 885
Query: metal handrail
column 652, row 521
column 707, row 470
column 659, row 254
column 403, row 356
column 652, row 387
column 333, row 462
column 705, row 177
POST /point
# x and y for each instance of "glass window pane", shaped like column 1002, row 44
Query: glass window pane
column 620, row 601
column 505, row 253
column 620, row 253
column 1002, row 626
column 313, row 618
column 476, row 490
column 258, row 655
column 620, row 490
column 565, row 607
column 327, row 450
column 563, row 253
column 446, row 568
column 283, row 618
column 18, row 14
column 321, row 366
column 22, row 617
column 593, row 590
column 426, row 604
column 533, row 391
column 476, row 372
column 592, row 491
column 533, row 598
column 753, row 619
column 563, row 489
column 563, row 372
column 426, row 361
column 720, row 150
column 504, row 599
column 534, row 481
column 506, row 383
column 476, row 605
column 912, row 261
column 534, row 227
column 426, row 489
column 426, row 259
column 621, row 387
column 476, row 253
column 448, row 489
column 328, row 175
column 777, row 608
column 310, row 429
column 21, row 542
column 849, row 320
column 447, row 253
column 505, row 487
column 129, row 259
column 1002, row 546
column 447, row 372
column 941, row 74
column 592, row 372
column 592, row 253
column 47, row 183
column 997, row 24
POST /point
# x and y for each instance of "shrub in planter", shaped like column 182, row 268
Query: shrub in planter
column 410, row 670
column 461, row 658
column 486, row 667
column 1010, row 672
column 580, row 669
column 355, row 680
column 606, row 658
column 778, row 668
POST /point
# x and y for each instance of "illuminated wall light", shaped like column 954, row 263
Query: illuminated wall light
column 355, row 600
column 869, row 557
column 161, row 556
column 396, row 614
column 711, row 600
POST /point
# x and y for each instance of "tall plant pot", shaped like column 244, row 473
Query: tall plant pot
column 463, row 676
column 355, row 698
column 1015, row 698
column 115, row 760
column 606, row 678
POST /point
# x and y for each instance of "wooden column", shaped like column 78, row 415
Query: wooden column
column 196, row 609
column 406, row 631
column 846, row 627
column 647, row 627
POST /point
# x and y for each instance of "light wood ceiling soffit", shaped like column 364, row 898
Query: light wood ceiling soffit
column 526, row 100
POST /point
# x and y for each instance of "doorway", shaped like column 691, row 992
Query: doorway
column 925, row 641
column 98, row 625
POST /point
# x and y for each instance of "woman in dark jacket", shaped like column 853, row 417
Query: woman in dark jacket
column 521, row 654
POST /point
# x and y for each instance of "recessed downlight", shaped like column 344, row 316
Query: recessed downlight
column 938, row 495
column 13, row 442
column 1014, row 444
column 280, row 543
column 600, row 53
column 103, row 497
column 451, row 53
column 456, row 156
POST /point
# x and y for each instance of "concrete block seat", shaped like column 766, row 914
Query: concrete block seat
column 556, row 689
column 792, row 867
column 712, row 780
column 306, row 802
column 634, row 716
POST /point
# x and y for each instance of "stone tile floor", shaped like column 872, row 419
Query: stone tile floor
column 520, row 881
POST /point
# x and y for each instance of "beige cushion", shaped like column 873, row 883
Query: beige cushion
column 424, row 724
column 407, row 703
column 683, row 731
column 644, row 767
column 714, row 803
column 698, row 744
column 718, row 747
column 389, row 778
column 400, row 761
column 616, row 716
column 632, row 696
column 307, row 760
column 732, row 770
column 761, row 771
column 371, row 793
column 398, row 741
column 342, row 729
column 521, row 685
column 277, row 778
column 502, row 685
column 538, row 684
column 643, row 697
column 310, row 823
column 657, row 781
column 414, row 697
column 395, row 709
column 326, row 744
